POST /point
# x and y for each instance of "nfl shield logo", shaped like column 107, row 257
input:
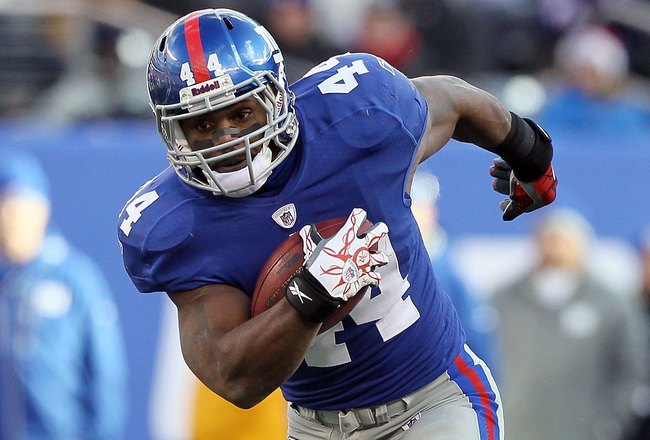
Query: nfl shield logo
column 285, row 216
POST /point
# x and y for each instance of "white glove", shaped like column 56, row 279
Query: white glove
column 345, row 263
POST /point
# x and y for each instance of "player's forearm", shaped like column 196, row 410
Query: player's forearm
column 483, row 120
column 480, row 118
column 249, row 362
column 460, row 111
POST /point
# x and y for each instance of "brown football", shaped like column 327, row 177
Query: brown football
column 285, row 262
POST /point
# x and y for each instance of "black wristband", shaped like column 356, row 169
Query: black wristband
column 527, row 148
column 309, row 297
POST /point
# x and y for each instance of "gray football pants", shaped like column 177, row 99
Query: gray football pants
column 462, row 404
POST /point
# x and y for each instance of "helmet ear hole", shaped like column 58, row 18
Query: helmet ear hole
column 228, row 23
column 163, row 41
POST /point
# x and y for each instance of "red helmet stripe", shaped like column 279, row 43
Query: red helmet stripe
column 195, row 49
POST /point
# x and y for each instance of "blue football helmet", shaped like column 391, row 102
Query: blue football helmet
column 208, row 60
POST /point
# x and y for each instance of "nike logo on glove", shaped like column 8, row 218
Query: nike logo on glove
column 295, row 291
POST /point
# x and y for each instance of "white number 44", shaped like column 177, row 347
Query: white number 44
column 343, row 81
column 134, row 210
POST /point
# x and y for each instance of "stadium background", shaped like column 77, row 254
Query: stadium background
column 96, row 163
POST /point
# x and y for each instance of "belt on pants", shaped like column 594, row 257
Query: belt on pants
column 350, row 420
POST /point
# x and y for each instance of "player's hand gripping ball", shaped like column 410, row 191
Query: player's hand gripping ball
column 344, row 263
column 335, row 261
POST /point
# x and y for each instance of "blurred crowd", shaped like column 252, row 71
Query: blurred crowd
column 88, row 63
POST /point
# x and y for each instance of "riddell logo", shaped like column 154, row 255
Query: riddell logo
column 206, row 87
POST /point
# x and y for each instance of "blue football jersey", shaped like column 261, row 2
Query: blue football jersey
column 360, row 125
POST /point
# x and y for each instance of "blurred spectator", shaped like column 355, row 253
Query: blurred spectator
column 474, row 311
column 62, row 359
column 96, row 83
column 389, row 33
column 339, row 21
column 574, row 351
column 291, row 22
column 594, row 92
column 459, row 37
column 560, row 16
column 30, row 62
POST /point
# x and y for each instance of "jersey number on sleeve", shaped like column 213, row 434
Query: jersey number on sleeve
column 343, row 81
column 134, row 210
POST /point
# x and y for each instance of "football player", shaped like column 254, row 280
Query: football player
column 253, row 160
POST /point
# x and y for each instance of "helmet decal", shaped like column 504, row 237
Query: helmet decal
column 198, row 66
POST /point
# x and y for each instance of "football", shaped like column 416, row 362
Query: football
column 285, row 262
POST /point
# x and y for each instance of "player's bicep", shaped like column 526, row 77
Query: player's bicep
column 441, row 118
